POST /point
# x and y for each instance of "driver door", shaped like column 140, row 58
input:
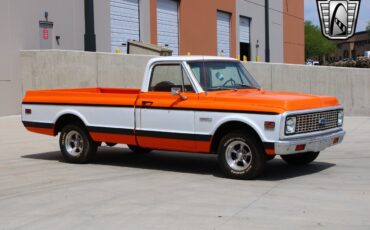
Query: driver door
column 166, row 121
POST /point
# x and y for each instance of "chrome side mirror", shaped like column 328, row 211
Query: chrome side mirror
column 176, row 91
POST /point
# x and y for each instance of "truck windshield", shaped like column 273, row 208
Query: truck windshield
column 222, row 75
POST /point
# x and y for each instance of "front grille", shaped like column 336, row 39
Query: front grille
column 314, row 122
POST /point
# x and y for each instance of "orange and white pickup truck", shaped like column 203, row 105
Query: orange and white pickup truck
column 190, row 104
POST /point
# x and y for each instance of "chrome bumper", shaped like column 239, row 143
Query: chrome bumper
column 313, row 144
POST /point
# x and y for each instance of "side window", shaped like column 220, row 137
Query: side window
column 165, row 77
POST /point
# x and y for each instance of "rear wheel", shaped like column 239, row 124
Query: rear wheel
column 240, row 156
column 138, row 150
column 300, row 158
column 76, row 144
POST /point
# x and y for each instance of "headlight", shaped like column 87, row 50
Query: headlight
column 290, row 125
column 340, row 118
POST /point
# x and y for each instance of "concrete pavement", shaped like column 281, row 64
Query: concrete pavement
column 38, row 190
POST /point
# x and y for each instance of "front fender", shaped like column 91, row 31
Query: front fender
column 256, row 122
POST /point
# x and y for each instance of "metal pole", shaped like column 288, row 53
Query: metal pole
column 90, row 38
column 267, row 30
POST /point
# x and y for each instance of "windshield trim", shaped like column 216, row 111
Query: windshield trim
column 246, row 76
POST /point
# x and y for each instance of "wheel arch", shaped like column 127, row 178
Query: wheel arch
column 67, row 118
column 227, row 127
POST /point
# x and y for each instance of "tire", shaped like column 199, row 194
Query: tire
column 300, row 158
column 138, row 150
column 76, row 144
column 237, row 164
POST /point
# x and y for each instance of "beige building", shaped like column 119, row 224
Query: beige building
column 353, row 47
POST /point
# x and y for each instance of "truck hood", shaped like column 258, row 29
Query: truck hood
column 276, row 101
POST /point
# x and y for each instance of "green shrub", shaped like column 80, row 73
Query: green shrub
column 360, row 62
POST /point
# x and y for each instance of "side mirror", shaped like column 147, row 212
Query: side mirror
column 176, row 91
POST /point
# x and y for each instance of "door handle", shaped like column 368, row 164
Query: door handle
column 147, row 103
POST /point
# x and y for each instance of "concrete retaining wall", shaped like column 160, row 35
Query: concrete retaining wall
column 71, row 69
column 350, row 85
column 75, row 69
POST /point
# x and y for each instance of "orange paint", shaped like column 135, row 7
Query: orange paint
column 107, row 96
column 249, row 100
column 44, row 131
column 203, row 146
column 113, row 138
column 166, row 100
column 174, row 145
column 263, row 101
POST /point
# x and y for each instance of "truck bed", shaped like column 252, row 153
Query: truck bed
column 85, row 96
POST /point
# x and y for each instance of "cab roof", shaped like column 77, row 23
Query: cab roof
column 190, row 58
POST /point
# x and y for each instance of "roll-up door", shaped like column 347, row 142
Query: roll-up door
column 168, row 25
column 244, row 30
column 223, row 33
column 244, row 38
column 125, row 23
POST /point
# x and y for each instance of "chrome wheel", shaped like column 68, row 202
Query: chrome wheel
column 238, row 155
column 74, row 143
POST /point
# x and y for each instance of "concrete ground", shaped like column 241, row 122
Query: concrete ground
column 38, row 190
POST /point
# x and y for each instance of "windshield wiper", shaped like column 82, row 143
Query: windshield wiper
column 220, row 88
column 244, row 86
column 236, row 87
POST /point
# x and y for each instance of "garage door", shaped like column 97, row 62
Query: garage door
column 223, row 33
column 168, row 25
column 244, row 30
column 125, row 23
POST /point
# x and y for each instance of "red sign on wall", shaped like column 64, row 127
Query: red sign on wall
column 45, row 34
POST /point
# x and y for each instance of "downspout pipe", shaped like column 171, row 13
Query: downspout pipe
column 90, row 38
column 267, row 30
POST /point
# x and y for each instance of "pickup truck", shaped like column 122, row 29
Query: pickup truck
column 190, row 104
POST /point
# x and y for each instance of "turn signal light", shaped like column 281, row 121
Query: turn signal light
column 300, row 147
column 269, row 125
column 336, row 140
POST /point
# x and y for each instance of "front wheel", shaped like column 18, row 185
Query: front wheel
column 76, row 144
column 241, row 156
column 300, row 158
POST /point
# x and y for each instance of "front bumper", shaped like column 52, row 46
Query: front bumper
column 313, row 144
